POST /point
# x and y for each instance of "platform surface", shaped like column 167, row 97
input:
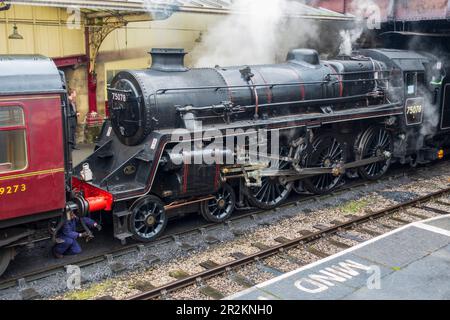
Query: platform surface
column 412, row 262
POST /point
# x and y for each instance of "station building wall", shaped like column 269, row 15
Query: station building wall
column 127, row 48
column 45, row 32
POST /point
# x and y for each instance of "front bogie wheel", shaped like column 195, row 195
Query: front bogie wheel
column 221, row 207
column 148, row 218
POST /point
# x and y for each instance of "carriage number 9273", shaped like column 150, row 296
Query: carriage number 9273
column 13, row 189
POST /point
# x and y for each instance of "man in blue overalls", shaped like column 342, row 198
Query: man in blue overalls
column 66, row 240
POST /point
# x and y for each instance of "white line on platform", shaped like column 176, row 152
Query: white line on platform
column 417, row 224
column 432, row 229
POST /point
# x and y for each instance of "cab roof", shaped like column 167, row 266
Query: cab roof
column 29, row 74
column 401, row 59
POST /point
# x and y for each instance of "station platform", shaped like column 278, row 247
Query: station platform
column 411, row 263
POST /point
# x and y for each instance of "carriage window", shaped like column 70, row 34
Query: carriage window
column 11, row 117
column 13, row 151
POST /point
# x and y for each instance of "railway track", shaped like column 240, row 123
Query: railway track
column 110, row 256
column 212, row 270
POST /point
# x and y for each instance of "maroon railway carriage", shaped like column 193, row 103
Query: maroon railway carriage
column 35, row 162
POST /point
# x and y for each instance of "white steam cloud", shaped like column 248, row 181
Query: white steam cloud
column 367, row 16
column 263, row 31
column 160, row 9
column 257, row 32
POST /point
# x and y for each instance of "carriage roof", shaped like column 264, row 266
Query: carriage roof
column 29, row 74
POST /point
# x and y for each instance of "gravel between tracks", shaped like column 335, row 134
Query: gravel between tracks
column 305, row 216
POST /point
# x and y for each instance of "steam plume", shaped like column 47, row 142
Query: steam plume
column 257, row 32
column 367, row 16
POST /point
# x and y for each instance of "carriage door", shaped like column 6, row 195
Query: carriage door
column 445, row 120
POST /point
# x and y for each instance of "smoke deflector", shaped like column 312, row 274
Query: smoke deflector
column 168, row 60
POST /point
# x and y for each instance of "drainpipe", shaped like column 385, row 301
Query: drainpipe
column 91, row 76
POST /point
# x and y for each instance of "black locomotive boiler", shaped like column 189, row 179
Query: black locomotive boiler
column 353, row 115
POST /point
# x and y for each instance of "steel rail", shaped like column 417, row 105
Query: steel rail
column 219, row 270
column 127, row 249
column 131, row 248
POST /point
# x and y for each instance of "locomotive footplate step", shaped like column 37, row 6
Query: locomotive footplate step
column 410, row 263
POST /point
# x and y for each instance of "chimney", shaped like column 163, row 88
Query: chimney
column 168, row 60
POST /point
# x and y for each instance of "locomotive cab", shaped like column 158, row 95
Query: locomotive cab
column 416, row 82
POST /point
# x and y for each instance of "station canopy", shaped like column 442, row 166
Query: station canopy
column 144, row 10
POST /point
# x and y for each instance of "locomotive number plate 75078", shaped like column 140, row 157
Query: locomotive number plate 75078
column 119, row 97
column 414, row 111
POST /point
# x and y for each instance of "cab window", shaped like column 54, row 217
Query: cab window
column 411, row 83
column 13, row 149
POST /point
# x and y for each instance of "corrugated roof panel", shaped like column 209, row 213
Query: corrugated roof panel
column 212, row 6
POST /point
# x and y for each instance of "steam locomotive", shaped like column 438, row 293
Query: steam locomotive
column 352, row 114
column 211, row 140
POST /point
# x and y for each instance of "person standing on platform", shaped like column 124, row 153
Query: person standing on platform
column 73, row 118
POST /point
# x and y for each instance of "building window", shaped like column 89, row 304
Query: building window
column 13, row 147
